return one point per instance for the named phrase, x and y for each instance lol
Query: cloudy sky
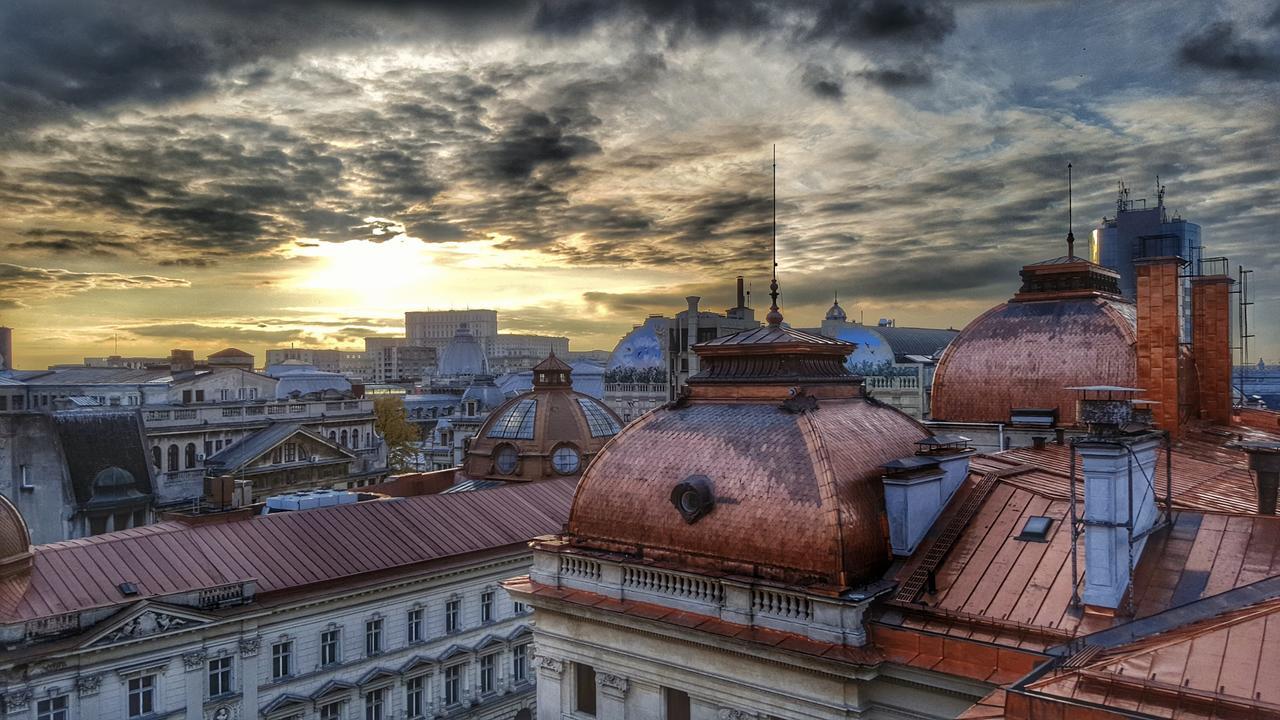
(176, 173)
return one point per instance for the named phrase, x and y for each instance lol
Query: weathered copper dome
(15, 540)
(1066, 327)
(769, 468)
(551, 431)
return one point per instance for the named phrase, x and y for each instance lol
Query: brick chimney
(1158, 336)
(1211, 345)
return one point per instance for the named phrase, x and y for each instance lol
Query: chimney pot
(1038, 442)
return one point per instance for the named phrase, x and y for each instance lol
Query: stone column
(249, 647)
(612, 696)
(550, 688)
(193, 665)
(87, 687)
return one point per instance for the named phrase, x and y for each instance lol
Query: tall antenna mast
(774, 317)
(1071, 237)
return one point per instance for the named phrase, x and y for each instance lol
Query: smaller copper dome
(551, 431)
(15, 539)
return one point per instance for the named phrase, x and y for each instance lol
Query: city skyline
(211, 174)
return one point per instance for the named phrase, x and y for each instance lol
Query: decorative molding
(228, 711)
(732, 714)
(87, 685)
(194, 660)
(17, 701)
(617, 683)
(249, 646)
(549, 664)
(148, 622)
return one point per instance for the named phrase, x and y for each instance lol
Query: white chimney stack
(1119, 508)
(692, 340)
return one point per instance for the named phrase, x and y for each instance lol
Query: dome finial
(774, 317)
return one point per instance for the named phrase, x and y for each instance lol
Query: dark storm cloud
(895, 78)
(61, 56)
(59, 241)
(823, 82)
(1220, 48)
(19, 282)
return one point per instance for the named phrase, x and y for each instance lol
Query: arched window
(191, 455)
(333, 436)
(155, 457)
(344, 438)
(506, 459)
(173, 458)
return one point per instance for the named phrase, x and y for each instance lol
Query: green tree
(392, 423)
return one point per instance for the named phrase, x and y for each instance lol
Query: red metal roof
(992, 586)
(1225, 667)
(280, 552)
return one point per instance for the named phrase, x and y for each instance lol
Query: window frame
(415, 622)
(453, 615)
(373, 639)
(415, 696)
(375, 704)
(145, 692)
(520, 663)
(336, 646)
(54, 713)
(223, 674)
(488, 673)
(282, 659)
(486, 606)
(452, 685)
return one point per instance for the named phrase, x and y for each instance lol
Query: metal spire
(774, 317)
(1071, 238)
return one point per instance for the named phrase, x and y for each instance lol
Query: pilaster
(193, 666)
(612, 695)
(550, 687)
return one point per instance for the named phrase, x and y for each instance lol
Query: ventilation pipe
(742, 295)
(1264, 461)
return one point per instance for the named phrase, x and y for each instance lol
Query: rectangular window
(374, 705)
(332, 711)
(451, 613)
(677, 702)
(208, 447)
(584, 686)
(373, 637)
(219, 676)
(224, 394)
(520, 663)
(518, 608)
(186, 397)
(415, 625)
(199, 396)
(415, 691)
(486, 607)
(329, 648)
(486, 673)
(142, 695)
(281, 660)
(452, 685)
(290, 452)
(54, 708)
(24, 472)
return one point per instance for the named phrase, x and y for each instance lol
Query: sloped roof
(261, 442)
(230, 353)
(94, 440)
(281, 551)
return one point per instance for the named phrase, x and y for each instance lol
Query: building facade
(302, 627)
(324, 360)
(436, 328)
(514, 352)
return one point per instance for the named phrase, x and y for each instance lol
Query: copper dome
(1065, 328)
(769, 468)
(15, 540)
(551, 431)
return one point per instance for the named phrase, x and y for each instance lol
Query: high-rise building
(435, 328)
(1138, 231)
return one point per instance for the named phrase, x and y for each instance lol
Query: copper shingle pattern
(283, 551)
(798, 492)
(1024, 355)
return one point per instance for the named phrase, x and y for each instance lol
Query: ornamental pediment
(145, 621)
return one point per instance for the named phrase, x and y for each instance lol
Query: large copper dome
(15, 540)
(1066, 327)
(551, 431)
(769, 468)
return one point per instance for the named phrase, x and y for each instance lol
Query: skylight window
(599, 421)
(517, 422)
(1036, 529)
